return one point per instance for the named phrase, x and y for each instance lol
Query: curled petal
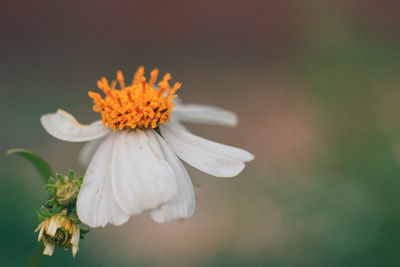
(64, 126)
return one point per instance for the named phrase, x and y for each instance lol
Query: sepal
(50, 188)
(71, 175)
(51, 202)
(60, 178)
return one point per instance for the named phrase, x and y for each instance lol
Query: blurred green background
(315, 85)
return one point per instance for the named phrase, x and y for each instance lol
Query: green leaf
(41, 166)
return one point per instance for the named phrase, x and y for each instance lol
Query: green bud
(67, 192)
(64, 190)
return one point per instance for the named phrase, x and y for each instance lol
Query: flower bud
(65, 189)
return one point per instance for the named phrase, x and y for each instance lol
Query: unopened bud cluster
(59, 224)
(63, 190)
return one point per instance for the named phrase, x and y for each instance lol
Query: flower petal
(48, 249)
(96, 205)
(184, 203)
(141, 177)
(204, 114)
(64, 126)
(208, 156)
(88, 150)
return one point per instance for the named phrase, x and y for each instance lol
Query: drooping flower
(59, 231)
(133, 152)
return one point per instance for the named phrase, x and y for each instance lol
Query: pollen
(141, 104)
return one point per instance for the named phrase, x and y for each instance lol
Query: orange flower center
(137, 105)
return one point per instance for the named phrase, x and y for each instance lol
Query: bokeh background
(315, 85)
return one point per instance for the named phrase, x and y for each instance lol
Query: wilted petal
(64, 126)
(74, 250)
(208, 156)
(52, 229)
(75, 235)
(41, 227)
(184, 203)
(48, 249)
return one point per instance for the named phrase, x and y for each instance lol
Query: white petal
(141, 177)
(75, 235)
(64, 126)
(87, 152)
(96, 205)
(52, 229)
(184, 203)
(210, 157)
(74, 250)
(204, 114)
(48, 249)
(41, 231)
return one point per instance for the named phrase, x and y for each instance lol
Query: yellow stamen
(137, 105)
(68, 225)
(144, 83)
(120, 78)
(153, 77)
(138, 75)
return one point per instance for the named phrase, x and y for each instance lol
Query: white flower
(133, 153)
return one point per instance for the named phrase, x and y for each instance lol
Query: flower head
(133, 153)
(137, 105)
(59, 231)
